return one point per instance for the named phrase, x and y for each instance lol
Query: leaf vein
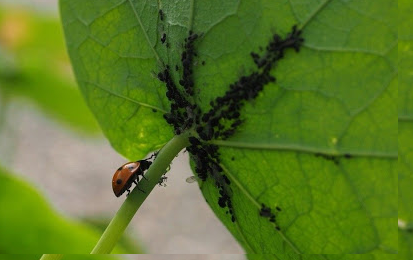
(144, 31)
(124, 97)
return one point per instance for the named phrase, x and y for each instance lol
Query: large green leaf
(405, 130)
(38, 68)
(336, 97)
(30, 226)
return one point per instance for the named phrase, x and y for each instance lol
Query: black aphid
(266, 212)
(329, 157)
(163, 38)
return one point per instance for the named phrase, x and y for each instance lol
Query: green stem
(132, 203)
(51, 257)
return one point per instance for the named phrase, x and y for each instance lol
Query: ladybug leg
(136, 183)
(128, 193)
(153, 155)
(141, 171)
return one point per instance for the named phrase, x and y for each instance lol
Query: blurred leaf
(29, 225)
(37, 68)
(21, 256)
(8, 68)
(65, 257)
(405, 165)
(336, 97)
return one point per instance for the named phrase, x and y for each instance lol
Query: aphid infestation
(280, 132)
(224, 116)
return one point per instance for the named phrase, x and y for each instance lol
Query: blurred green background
(34, 66)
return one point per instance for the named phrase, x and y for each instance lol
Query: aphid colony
(222, 120)
(266, 212)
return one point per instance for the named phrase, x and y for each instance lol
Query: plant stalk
(135, 199)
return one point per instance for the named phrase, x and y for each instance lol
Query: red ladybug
(127, 174)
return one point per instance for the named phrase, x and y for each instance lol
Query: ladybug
(127, 174)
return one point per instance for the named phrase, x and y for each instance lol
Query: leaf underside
(336, 97)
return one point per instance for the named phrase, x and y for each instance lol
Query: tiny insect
(127, 174)
(162, 181)
(163, 38)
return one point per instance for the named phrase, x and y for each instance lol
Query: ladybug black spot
(118, 181)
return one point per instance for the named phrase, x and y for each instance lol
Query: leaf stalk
(132, 203)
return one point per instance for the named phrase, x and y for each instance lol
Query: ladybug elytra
(127, 174)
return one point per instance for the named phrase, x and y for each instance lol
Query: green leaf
(29, 225)
(337, 96)
(38, 68)
(405, 102)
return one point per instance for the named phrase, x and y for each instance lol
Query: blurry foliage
(34, 65)
(30, 225)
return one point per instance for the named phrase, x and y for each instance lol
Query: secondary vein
(126, 98)
(144, 32)
(299, 148)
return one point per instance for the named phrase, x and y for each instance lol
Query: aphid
(265, 211)
(162, 181)
(227, 181)
(127, 174)
(329, 157)
(161, 14)
(194, 141)
(348, 156)
(163, 38)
